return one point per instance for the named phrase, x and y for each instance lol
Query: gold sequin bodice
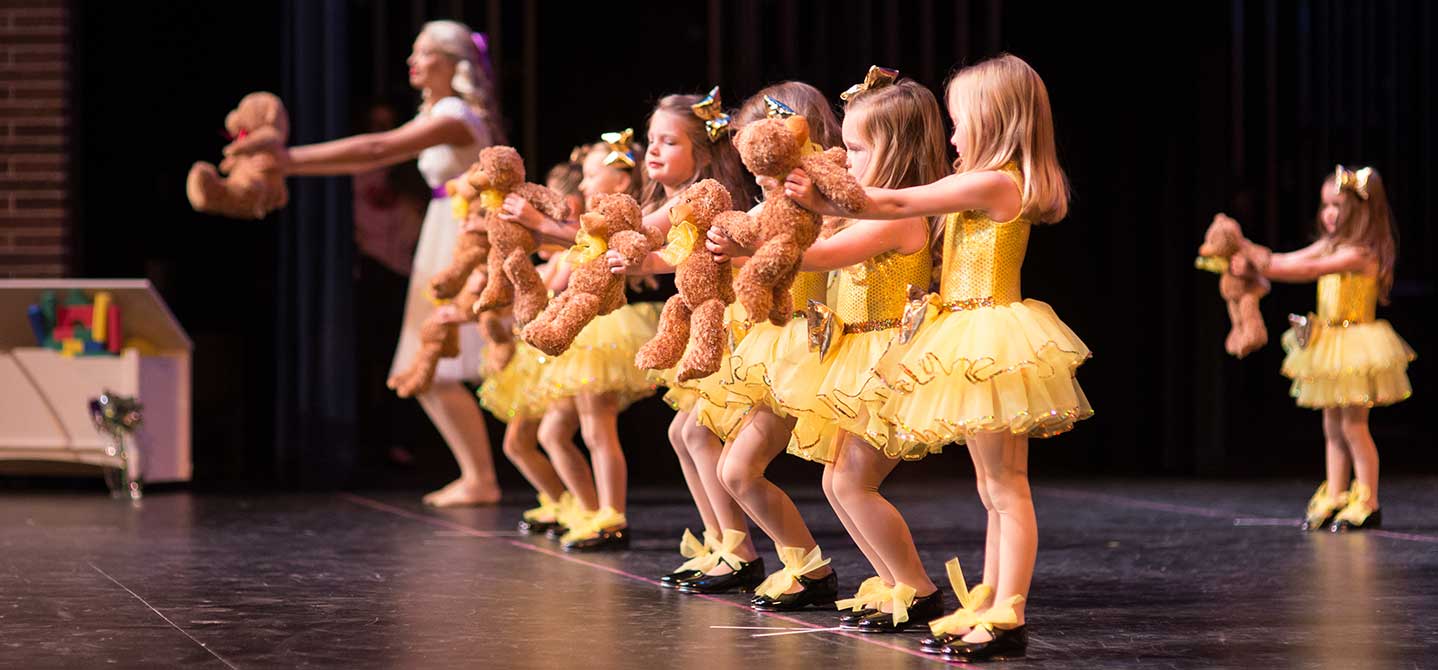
(872, 294)
(1347, 297)
(809, 286)
(983, 257)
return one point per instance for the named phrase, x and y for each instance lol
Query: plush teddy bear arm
(548, 201)
(262, 139)
(632, 245)
(740, 227)
(835, 182)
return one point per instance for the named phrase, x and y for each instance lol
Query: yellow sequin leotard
(1351, 359)
(867, 301)
(984, 359)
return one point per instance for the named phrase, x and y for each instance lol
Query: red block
(112, 327)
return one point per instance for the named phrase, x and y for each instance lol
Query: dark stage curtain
(314, 399)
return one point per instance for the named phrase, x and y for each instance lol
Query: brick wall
(35, 118)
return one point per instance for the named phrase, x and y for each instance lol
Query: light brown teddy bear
(693, 320)
(439, 338)
(471, 248)
(781, 232)
(254, 184)
(512, 277)
(613, 222)
(1239, 264)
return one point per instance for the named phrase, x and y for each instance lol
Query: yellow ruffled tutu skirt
(1007, 368)
(847, 397)
(772, 367)
(601, 359)
(1359, 365)
(516, 393)
(706, 399)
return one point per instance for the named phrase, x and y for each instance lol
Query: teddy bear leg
(1255, 333)
(498, 292)
(529, 292)
(539, 333)
(667, 346)
(203, 187)
(1233, 342)
(706, 342)
(782, 308)
(417, 377)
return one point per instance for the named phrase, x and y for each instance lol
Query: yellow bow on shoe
(547, 511)
(1001, 615)
(700, 554)
(1356, 511)
(872, 592)
(717, 551)
(900, 598)
(796, 563)
(967, 617)
(606, 517)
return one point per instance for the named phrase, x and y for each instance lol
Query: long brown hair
(1002, 109)
(1367, 224)
(717, 160)
(808, 101)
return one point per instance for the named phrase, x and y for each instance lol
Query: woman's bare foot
(460, 493)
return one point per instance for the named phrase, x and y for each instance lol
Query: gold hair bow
(619, 148)
(711, 109)
(1356, 181)
(877, 77)
(777, 110)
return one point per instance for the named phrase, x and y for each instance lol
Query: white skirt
(434, 253)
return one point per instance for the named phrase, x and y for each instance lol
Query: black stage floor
(1131, 573)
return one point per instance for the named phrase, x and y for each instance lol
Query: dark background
(1165, 115)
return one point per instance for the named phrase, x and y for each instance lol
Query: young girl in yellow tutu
(1343, 360)
(690, 140)
(894, 135)
(751, 420)
(513, 395)
(976, 364)
(597, 372)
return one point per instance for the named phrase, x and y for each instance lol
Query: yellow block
(99, 312)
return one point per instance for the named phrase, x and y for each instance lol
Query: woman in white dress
(459, 117)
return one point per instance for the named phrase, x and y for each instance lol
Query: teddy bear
(1239, 264)
(779, 234)
(254, 181)
(613, 222)
(471, 247)
(439, 338)
(512, 277)
(692, 323)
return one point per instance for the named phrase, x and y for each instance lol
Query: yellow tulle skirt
(1360, 365)
(706, 399)
(1007, 368)
(848, 395)
(516, 393)
(601, 359)
(773, 368)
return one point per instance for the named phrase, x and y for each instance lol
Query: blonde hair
(1367, 224)
(717, 160)
(905, 129)
(471, 82)
(802, 98)
(1001, 110)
